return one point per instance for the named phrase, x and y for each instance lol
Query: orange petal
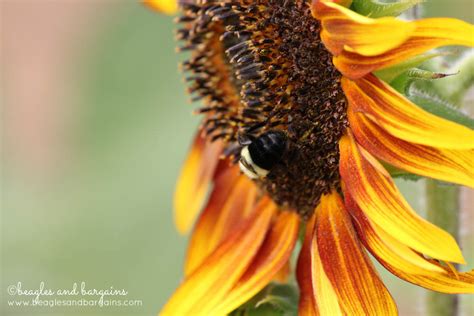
(429, 34)
(230, 204)
(207, 286)
(346, 30)
(443, 164)
(271, 257)
(194, 181)
(164, 6)
(283, 274)
(350, 271)
(376, 194)
(304, 274)
(406, 263)
(403, 119)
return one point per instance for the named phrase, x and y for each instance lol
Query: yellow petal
(164, 6)
(406, 263)
(206, 287)
(194, 181)
(443, 164)
(345, 30)
(353, 277)
(444, 282)
(403, 119)
(230, 204)
(387, 247)
(428, 34)
(362, 45)
(377, 196)
(436, 32)
(271, 257)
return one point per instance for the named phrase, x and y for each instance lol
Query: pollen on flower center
(260, 66)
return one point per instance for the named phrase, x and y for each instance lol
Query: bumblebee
(260, 154)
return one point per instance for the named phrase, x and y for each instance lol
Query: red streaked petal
(194, 181)
(443, 164)
(403, 119)
(304, 273)
(346, 30)
(230, 203)
(350, 271)
(207, 286)
(164, 6)
(271, 257)
(376, 194)
(406, 263)
(317, 296)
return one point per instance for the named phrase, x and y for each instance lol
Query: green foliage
(424, 88)
(390, 73)
(403, 82)
(454, 88)
(275, 299)
(376, 9)
(401, 174)
(435, 87)
(435, 105)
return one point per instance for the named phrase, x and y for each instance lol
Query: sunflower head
(260, 67)
(291, 96)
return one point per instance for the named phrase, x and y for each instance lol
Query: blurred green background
(92, 148)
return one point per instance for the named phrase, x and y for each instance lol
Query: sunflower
(290, 96)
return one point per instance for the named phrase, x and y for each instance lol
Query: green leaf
(437, 106)
(399, 173)
(376, 9)
(275, 299)
(421, 74)
(278, 302)
(403, 82)
(390, 73)
(454, 88)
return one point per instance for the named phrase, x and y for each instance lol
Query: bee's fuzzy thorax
(258, 66)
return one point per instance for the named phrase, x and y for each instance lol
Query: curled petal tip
(346, 30)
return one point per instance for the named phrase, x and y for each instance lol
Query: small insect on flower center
(270, 92)
(259, 157)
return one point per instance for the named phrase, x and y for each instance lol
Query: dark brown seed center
(261, 66)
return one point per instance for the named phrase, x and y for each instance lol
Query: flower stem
(443, 211)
